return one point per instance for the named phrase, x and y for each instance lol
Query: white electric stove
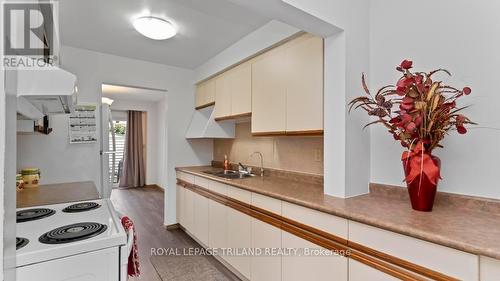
(82, 241)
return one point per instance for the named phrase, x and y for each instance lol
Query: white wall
(153, 127)
(347, 147)
(260, 39)
(461, 36)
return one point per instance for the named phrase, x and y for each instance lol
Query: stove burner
(33, 214)
(81, 207)
(72, 233)
(21, 242)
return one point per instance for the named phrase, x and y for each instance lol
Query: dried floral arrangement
(427, 109)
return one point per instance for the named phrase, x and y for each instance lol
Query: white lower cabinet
(489, 269)
(200, 218)
(265, 266)
(188, 210)
(308, 266)
(217, 226)
(362, 272)
(179, 193)
(239, 229)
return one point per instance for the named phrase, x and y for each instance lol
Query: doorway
(117, 136)
(133, 136)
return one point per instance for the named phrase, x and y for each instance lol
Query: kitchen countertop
(470, 225)
(56, 193)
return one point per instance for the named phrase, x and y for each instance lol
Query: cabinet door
(200, 218)
(265, 266)
(188, 210)
(269, 92)
(489, 269)
(239, 228)
(222, 96)
(361, 272)
(180, 204)
(217, 225)
(209, 91)
(205, 92)
(304, 94)
(240, 81)
(309, 266)
(199, 95)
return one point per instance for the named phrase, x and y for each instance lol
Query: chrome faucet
(261, 162)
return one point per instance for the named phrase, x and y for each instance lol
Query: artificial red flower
(411, 127)
(395, 120)
(403, 84)
(461, 130)
(418, 120)
(421, 116)
(408, 100)
(406, 64)
(406, 106)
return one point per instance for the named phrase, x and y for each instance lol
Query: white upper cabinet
(304, 81)
(234, 92)
(269, 93)
(287, 88)
(222, 96)
(205, 93)
(240, 81)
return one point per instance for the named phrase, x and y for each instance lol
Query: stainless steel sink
(229, 174)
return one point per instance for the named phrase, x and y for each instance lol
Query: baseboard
(154, 186)
(173, 226)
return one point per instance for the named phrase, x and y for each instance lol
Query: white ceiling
(205, 27)
(117, 92)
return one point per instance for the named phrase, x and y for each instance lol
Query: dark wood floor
(145, 207)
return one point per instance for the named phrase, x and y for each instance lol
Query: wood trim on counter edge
(204, 105)
(236, 116)
(386, 263)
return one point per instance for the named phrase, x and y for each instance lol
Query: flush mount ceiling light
(154, 28)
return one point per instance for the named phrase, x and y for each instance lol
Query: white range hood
(204, 126)
(50, 91)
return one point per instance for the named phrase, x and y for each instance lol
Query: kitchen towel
(133, 258)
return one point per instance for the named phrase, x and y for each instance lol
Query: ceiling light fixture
(154, 28)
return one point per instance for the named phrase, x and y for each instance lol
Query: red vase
(422, 193)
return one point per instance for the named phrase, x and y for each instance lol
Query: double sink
(229, 174)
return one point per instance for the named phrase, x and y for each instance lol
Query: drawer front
(203, 182)
(267, 203)
(239, 194)
(322, 221)
(218, 187)
(185, 177)
(442, 259)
